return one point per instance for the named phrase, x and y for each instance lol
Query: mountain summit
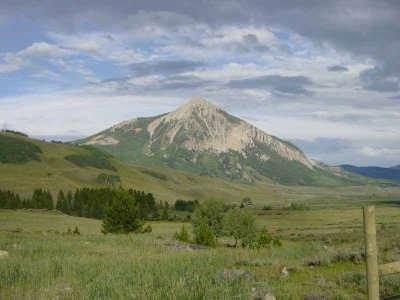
(200, 137)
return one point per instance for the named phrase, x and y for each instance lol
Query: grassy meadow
(321, 253)
(321, 249)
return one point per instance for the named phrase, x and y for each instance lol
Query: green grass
(44, 263)
(83, 160)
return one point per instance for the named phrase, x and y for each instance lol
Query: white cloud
(101, 46)
(45, 49)
(47, 74)
(10, 62)
(231, 34)
(375, 151)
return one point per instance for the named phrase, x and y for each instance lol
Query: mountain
(201, 138)
(392, 173)
(26, 164)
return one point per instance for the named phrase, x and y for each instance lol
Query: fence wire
(392, 297)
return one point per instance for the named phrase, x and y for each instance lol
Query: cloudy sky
(323, 74)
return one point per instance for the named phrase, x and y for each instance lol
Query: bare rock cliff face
(200, 125)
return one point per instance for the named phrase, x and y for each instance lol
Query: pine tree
(60, 201)
(124, 214)
(68, 203)
(48, 200)
(165, 215)
(78, 203)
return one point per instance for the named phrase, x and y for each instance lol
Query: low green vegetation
(155, 174)
(108, 179)
(17, 151)
(186, 205)
(297, 207)
(96, 151)
(83, 160)
(241, 225)
(182, 235)
(15, 132)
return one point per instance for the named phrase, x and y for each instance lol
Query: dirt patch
(181, 246)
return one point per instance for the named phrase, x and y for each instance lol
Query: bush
(297, 207)
(123, 216)
(241, 225)
(76, 230)
(182, 205)
(267, 207)
(108, 179)
(263, 240)
(210, 212)
(146, 229)
(182, 235)
(204, 235)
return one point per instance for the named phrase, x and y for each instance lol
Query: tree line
(94, 202)
(40, 199)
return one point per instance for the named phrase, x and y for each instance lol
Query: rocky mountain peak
(199, 132)
(194, 107)
(199, 102)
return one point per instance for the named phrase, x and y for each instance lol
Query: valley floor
(321, 250)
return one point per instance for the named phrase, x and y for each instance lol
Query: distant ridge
(375, 172)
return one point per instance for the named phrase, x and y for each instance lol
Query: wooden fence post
(371, 253)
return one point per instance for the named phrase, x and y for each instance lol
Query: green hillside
(66, 167)
(53, 169)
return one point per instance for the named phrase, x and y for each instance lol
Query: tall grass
(44, 263)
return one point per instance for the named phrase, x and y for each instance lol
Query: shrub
(204, 235)
(241, 225)
(76, 230)
(182, 205)
(297, 207)
(210, 212)
(108, 179)
(146, 229)
(263, 240)
(267, 207)
(182, 235)
(123, 216)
